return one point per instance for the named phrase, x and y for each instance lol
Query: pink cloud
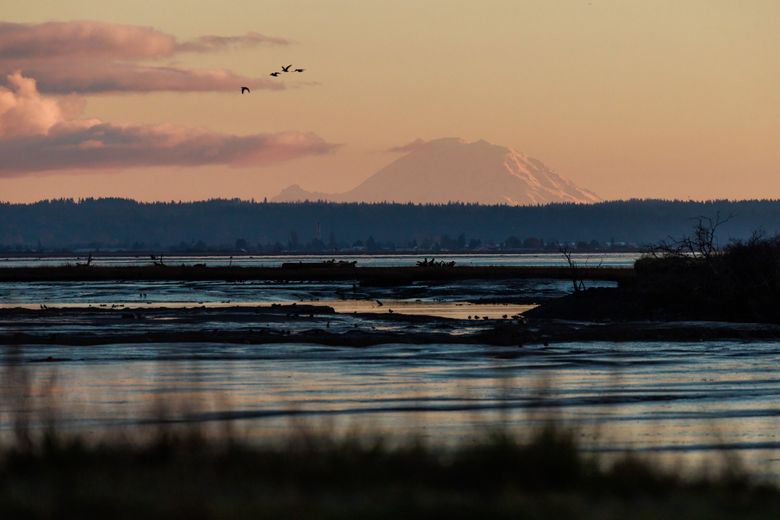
(82, 39)
(23, 111)
(211, 43)
(127, 77)
(97, 57)
(38, 136)
(106, 146)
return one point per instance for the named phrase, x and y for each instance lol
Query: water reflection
(678, 398)
(452, 310)
(13, 294)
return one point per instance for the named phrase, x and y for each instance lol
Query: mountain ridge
(454, 170)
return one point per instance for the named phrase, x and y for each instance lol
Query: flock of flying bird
(275, 74)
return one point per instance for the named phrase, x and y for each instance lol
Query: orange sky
(629, 99)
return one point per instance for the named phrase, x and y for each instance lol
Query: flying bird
(274, 74)
(245, 89)
(287, 68)
(299, 70)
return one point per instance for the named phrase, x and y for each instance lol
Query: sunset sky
(672, 99)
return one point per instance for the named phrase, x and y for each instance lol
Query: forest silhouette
(125, 224)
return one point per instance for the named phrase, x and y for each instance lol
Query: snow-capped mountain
(451, 169)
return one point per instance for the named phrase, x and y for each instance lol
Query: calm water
(535, 259)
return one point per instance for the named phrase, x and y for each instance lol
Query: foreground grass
(185, 476)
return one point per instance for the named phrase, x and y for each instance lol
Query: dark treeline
(121, 224)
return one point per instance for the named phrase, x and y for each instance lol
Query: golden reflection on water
(453, 310)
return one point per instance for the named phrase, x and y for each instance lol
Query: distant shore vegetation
(693, 277)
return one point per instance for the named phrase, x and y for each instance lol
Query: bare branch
(576, 280)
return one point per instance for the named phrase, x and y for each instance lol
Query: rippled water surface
(683, 398)
(141, 293)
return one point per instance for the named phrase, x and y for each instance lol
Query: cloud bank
(41, 134)
(100, 57)
(132, 78)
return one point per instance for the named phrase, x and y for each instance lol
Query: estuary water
(679, 401)
(685, 401)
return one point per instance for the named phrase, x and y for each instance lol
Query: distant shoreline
(419, 254)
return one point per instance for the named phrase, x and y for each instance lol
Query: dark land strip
(317, 324)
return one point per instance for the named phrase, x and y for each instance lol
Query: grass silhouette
(182, 474)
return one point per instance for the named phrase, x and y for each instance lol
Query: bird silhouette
(378, 302)
(245, 89)
(274, 74)
(287, 68)
(299, 70)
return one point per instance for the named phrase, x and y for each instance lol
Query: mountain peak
(452, 169)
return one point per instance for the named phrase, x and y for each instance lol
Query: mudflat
(376, 275)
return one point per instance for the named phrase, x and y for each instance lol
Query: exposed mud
(320, 324)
